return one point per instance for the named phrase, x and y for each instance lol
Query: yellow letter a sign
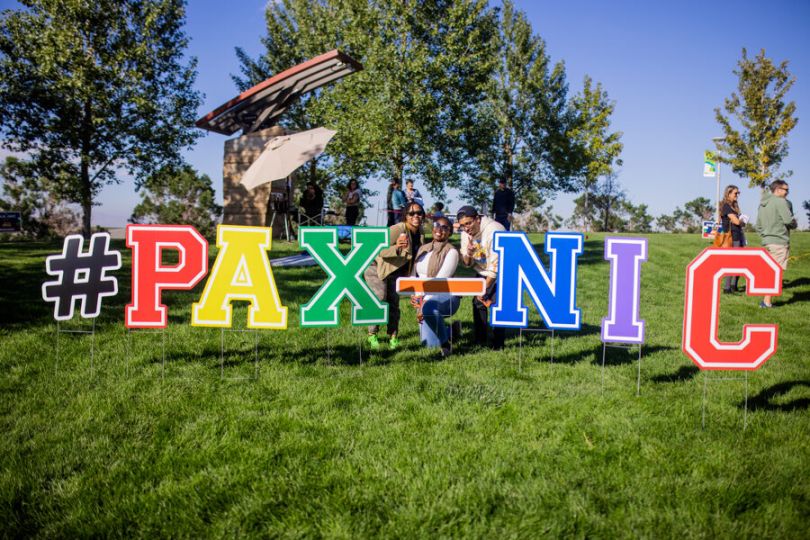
(241, 272)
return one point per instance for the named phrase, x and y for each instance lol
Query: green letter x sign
(345, 276)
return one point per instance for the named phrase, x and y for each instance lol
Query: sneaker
(394, 343)
(373, 342)
(447, 349)
(762, 304)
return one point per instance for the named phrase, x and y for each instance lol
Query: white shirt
(447, 270)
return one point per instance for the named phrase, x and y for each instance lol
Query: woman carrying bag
(733, 222)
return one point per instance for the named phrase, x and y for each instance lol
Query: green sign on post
(709, 164)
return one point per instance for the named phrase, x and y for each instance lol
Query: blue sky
(666, 64)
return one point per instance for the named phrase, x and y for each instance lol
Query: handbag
(722, 240)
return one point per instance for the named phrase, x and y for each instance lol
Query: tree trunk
(84, 171)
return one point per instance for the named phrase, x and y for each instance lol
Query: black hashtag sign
(81, 276)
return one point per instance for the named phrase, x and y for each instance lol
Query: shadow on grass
(803, 296)
(764, 400)
(797, 283)
(684, 373)
(619, 356)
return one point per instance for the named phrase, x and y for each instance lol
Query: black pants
(391, 217)
(351, 215)
(484, 334)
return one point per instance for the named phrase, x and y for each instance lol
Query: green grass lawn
(161, 436)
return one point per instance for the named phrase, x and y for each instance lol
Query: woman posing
(437, 259)
(394, 262)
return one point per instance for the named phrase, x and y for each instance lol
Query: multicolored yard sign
(242, 273)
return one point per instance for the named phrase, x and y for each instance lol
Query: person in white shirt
(436, 259)
(476, 252)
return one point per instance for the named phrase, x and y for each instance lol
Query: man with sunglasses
(477, 233)
(394, 262)
(774, 221)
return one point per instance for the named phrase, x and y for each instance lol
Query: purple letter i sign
(622, 324)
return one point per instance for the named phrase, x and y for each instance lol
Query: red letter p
(150, 276)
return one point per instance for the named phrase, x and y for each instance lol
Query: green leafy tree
(91, 87)
(605, 208)
(756, 149)
(638, 218)
(667, 223)
(520, 129)
(404, 116)
(179, 195)
(806, 206)
(596, 148)
(41, 213)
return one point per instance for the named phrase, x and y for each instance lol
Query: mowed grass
(162, 434)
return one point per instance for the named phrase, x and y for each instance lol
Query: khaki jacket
(391, 259)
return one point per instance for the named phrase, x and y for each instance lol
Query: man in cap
(477, 234)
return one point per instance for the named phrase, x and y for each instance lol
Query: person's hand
(471, 247)
(484, 301)
(416, 302)
(419, 317)
(402, 241)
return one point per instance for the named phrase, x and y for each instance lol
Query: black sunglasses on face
(443, 227)
(420, 214)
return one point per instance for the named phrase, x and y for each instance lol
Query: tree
(638, 219)
(179, 195)
(756, 150)
(806, 206)
(405, 115)
(667, 223)
(41, 213)
(596, 150)
(90, 87)
(696, 212)
(605, 207)
(520, 128)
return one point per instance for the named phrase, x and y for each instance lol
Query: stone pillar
(243, 206)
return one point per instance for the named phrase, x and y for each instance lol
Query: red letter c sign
(701, 316)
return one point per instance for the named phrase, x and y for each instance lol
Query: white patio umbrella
(283, 154)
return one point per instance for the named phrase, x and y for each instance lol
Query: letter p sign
(150, 276)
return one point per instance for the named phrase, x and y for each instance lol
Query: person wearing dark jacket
(311, 202)
(503, 204)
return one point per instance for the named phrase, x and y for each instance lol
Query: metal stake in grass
(625, 346)
(520, 343)
(255, 335)
(128, 354)
(706, 379)
(91, 332)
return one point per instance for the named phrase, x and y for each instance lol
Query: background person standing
(774, 221)
(732, 221)
(503, 204)
(352, 201)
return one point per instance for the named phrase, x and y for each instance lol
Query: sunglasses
(420, 214)
(443, 227)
